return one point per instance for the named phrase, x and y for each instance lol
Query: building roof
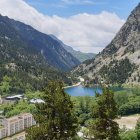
(15, 96)
(36, 101)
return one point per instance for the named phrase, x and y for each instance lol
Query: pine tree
(104, 113)
(55, 117)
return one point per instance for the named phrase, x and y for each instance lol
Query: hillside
(51, 49)
(79, 55)
(23, 62)
(119, 62)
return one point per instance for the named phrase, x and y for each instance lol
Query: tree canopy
(55, 117)
(104, 113)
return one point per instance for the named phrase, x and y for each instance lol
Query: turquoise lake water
(82, 91)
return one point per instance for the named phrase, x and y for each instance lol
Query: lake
(82, 91)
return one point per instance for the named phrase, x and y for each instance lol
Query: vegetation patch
(117, 71)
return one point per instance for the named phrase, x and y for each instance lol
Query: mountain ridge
(78, 54)
(22, 63)
(50, 48)
(123, 51)
(53, 51)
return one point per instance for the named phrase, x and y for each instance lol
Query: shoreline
(78, 84)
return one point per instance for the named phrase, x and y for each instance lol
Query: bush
(128, 135)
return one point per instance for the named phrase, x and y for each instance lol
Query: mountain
(51, 49)
(119, 62)
(79, 55)
(29, 58)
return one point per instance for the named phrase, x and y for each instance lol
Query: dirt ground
(129, 122)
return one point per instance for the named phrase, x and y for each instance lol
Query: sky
(66, 8)
(85, 25)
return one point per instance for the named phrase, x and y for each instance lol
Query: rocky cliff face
(123, 52)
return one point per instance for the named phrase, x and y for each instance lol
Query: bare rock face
(123, 52)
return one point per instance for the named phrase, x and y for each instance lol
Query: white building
(15, 97)
(34, 101)
(16, 124)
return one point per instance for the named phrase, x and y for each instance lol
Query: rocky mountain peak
(124, 49)
(127, 37)
(136, 11)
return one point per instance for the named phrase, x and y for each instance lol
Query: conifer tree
(104, 113)
(55, 117)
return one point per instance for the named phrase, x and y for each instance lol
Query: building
(3, 132)
(16, 124)
(19, 136)
(34, 101)
(15, 97)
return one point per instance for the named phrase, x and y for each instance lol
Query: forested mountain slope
(51, 49)
(22, 60)
(78, 54)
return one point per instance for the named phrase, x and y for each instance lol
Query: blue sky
(66, 8)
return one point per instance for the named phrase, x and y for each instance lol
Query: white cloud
(84, 32)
